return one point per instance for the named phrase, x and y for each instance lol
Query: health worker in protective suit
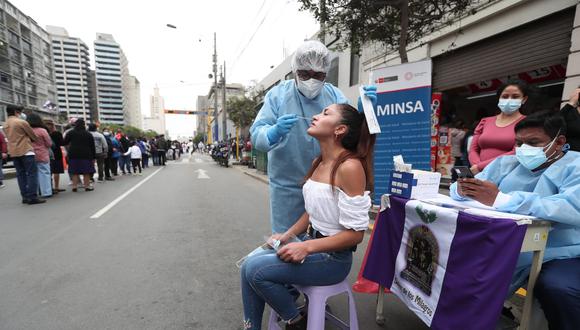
(543, 180)
(280, 129)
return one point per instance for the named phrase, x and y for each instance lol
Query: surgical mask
(23, 116)
(309, 88)
(509, 106)
(534, 157)
(106, 133)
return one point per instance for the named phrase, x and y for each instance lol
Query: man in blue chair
(542, 180)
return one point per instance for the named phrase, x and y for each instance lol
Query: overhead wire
(264, 18)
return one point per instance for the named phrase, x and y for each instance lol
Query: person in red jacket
(3, 156)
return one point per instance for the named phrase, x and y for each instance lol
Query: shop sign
(549, 73)
(404, 114)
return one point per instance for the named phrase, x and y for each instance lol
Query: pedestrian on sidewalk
(101, 149)
(135, 154)
(144, 146)
(81, 155)
(20, 137)
(3, 156)
(56, 162)
(162, 146)
(115, 152)
(124, 161)
(108, 170)
(280, 131)
(154, 153)
(335, 220)
(42, 154)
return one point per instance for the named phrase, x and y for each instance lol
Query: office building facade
(71, 67)
(26, 68)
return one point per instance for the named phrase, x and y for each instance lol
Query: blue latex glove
(371, 93)
(282, 127)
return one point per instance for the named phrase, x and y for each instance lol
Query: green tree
(242, 110)
(198, 137)
(393, 23)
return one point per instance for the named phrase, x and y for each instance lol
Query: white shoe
(2, 185)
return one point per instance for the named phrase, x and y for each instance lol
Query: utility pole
(224, 109)
(215, 88)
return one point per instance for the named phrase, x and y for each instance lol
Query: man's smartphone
(463, 172)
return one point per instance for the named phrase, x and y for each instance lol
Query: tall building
(26, 71)
(110, 64)
(156, 122)
(132, 91)
(71, 65)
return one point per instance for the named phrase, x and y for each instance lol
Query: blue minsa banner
(404, 114)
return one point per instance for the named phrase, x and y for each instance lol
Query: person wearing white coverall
(542, 180)
(279, 130)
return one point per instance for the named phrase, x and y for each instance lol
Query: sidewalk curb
(257, 177)
(9, 173)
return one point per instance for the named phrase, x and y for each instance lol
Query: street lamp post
(215, 87)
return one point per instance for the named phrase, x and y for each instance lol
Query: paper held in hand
(370, 115)
(269, 245)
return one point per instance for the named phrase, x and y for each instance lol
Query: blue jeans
(44, 179)
(265, 277)
(125, 163)
(26, 173)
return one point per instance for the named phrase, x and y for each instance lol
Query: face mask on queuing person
(280, 129)
(494, 136)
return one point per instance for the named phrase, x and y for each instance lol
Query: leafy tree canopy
(392, 23)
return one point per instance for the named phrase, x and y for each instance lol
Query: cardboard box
(415, 184)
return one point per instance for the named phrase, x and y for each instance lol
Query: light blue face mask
(534, 157)
(509, 106)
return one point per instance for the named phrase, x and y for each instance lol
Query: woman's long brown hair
(357, 141)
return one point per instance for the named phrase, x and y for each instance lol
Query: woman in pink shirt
(495, 136)
(41, 154)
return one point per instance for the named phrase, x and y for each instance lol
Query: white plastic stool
(317, 314)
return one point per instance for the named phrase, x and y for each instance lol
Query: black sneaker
(36, 201)
(300, 325)
(109, 179)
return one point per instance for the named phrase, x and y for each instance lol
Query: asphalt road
(163, 257)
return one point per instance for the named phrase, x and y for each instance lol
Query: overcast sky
(251, 35)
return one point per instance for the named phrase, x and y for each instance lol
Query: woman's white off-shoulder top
(334, 211)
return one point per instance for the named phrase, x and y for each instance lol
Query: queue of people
(41, 154)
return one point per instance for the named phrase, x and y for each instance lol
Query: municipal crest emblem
(422, 258)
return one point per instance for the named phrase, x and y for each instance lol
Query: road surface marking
(120, 198)
(201, 174)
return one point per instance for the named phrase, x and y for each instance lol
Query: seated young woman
(336, 217)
